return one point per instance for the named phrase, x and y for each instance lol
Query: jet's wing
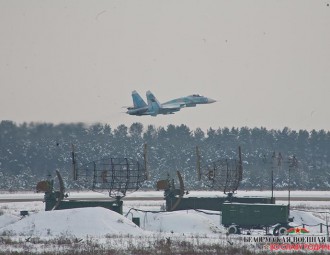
(191, 101)
(172, 106)
(169, 108)
(175, 103)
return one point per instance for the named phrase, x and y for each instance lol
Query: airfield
(98, 227)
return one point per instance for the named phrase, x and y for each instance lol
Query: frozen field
(80, 228)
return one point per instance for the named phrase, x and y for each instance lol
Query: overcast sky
(267, 62)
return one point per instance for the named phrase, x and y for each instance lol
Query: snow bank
(80, 222)
(307, 218)
(188, 222)
(98, 222)
(7, 219)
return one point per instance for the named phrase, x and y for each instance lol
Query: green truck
(236, 216)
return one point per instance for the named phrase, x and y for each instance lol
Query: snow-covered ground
(109, 228)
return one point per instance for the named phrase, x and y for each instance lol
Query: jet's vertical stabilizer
(151, 98)
(138, 100)
(153, 103)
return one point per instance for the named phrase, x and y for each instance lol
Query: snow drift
(7, 219)
(80, 222)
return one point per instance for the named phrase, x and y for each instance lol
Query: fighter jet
(154, 107)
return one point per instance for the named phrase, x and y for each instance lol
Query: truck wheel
(233, 229)
(280, 230)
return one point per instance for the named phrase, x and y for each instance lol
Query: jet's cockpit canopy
(195, 95)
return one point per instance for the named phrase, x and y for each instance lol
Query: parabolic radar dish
(223, 174)
(115, 176)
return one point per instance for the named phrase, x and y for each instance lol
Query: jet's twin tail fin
(153, 103)
(138, 100)
(152, 99)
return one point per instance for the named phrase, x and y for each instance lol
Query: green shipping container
(254, 215)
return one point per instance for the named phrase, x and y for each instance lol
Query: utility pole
(145, 158)
(240, 173)
(293, 163)
(198, 163)
(272, 177)
(74, 169)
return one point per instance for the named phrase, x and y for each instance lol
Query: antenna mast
(74, 169)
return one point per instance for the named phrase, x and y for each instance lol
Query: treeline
(30, 152)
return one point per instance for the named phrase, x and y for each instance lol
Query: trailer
(211, 203)
(175, 200)
(52, 203)
(237, 216)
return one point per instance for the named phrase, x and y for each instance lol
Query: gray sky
(267, 62)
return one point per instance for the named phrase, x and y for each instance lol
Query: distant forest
(31, 152)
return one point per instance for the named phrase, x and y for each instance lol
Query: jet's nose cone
(210, 100)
